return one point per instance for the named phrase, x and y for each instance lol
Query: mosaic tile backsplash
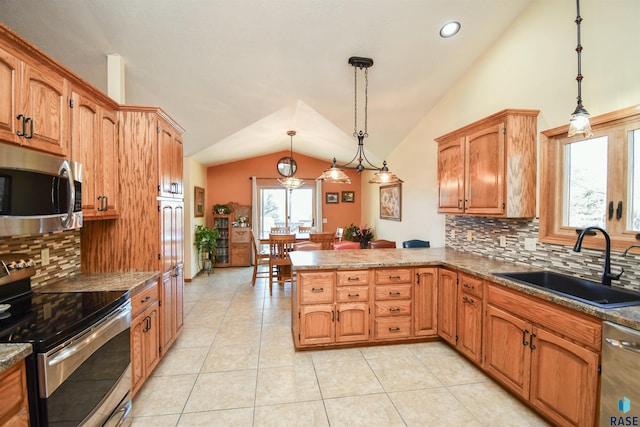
(64, 254)
(486, 234)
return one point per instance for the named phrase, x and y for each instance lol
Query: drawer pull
(146, 299)
(353, 279)
(394, 277)
(395, 293)
(394, 309)
(524, 338)
(469, 300)
(317, 289)
(396, 329)
(353, 295)
(466, 285)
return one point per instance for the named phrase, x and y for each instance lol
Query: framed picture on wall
(348, 197)
(198, 200)
(391, 202)
(331, 198)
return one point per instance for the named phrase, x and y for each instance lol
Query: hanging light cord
(579, 51)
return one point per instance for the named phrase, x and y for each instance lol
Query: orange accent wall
(230, 182)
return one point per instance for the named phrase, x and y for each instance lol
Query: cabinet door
(85, 148)
(166, 242)
(108, 166)
(451, 176)
(425, 300)
(177, 234)
(507, 355)
(564, 380)
(137, 353)
(177, 166)
(447, 302)
(167, 312)
(352, 322)
(169, 161)
(179, 298)
(44, 101)
(484, 171)
(317, 324)
(470, 326)
(9, 72)
(151, 332)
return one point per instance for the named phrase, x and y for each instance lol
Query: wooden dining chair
(280, 230)
(303, 229)
(415, 243)
(307, 246)
(279, 262)
(261, 257)
(379, 244)
(326, 239)
(345, 244)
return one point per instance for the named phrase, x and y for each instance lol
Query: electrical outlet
(503, 241)
(469, 236)
(44, 256)
(324, 220)
(452, 234)
(530, 243)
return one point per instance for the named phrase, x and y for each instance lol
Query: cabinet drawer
(240, 235)
(393, 308)
(144, 298)
(393, 275)
(316, 287)
(355, 277)
(471, 285)
(352, 294)
(392, 327)
(13, 391)
(393, 292)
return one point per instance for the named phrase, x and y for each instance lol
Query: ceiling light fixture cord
(579, 50)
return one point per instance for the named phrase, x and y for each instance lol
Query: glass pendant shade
(291, 182)
(335, 175)
(384, 176)
(579, 123)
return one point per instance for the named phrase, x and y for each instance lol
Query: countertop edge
(10, 354)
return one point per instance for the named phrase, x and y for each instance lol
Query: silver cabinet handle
(624, 345)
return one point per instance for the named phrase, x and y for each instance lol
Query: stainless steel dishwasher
(620, 379)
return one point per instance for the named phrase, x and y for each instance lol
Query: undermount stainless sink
(579, 289)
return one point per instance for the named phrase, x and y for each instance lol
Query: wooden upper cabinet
(9, 72)
(169, 161)
(489, 167)
(94, 143)
(33, 105)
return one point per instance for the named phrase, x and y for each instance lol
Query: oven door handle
(58, 364)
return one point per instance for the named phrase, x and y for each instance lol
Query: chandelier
(287, 167)
(335, 173)
(579, 122)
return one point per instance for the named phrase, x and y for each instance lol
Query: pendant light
(335, 173)
(579, 122)
(290, 182)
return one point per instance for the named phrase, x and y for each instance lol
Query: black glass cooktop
(48, 319)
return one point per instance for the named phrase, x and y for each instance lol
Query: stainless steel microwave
(39, 193)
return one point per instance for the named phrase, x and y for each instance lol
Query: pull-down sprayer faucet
(606, 272)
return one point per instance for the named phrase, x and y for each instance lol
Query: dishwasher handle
(624, 345)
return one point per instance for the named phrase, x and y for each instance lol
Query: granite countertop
(476, 265)
(10, 354)
(128, 281)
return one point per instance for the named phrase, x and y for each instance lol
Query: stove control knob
(12, 265)
(21, 264)
(30, 263)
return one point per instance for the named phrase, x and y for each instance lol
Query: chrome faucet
(606, 272)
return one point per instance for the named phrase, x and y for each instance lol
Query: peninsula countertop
(476, 265)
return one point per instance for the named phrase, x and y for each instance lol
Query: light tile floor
(234, 365)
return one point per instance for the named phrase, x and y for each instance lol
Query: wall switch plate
(44, 256)
(324, 220)
(503, 241)
(530, 243)
(469, 236)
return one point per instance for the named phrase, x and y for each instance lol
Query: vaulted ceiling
(237, 74)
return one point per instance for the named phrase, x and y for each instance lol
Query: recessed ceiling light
(449, 29)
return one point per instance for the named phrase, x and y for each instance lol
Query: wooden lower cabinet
(425, 299)
(469, 317)
(240, 246)
(447, 303)
(14, 410)
(145, 334)
(528, 352)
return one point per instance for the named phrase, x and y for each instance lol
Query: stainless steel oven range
(80, 369)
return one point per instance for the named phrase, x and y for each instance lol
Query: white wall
(533, 65)
(194, 175)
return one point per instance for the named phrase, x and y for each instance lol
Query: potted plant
(355, 233)
(205, 242)
(219, 208)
